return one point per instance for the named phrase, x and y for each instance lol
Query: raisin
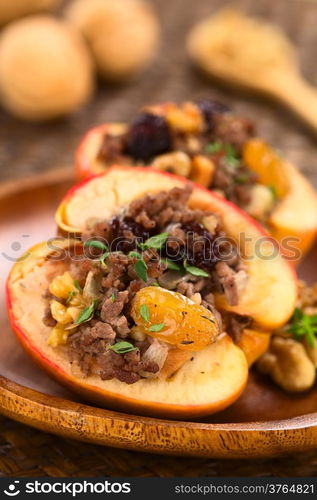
(149, 135)
(202, 249)
(126, 232)
(210, 109)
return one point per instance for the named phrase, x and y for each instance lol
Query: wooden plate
(264, 422)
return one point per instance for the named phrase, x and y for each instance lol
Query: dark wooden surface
(25, 452)
(27, 149)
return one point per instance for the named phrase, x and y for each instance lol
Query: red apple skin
(112, 400)
(83, 164)
(85, 156)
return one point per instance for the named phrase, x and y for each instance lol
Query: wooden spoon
(252, 54)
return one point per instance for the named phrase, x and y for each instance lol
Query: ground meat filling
(221, 139)
(113, 149)
(189, 260)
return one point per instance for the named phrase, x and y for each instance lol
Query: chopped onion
(157, 352)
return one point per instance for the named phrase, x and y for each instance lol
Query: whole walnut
(45, 68)
(288, 364)
(13, 9)
(122, 34)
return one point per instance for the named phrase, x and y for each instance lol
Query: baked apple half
(248, 291)
(105, 342)
(146, 309)
(206, 142)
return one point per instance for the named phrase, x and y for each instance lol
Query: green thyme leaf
(195, 271)
(140, 268)
(214, 147)
(311, 338)
(113, 297)
(273, 192)
(230, 150)
(233, 162)
(145, 312)
(170, 264)
(156, 241)
(122, 347)
(87, 313)
(96, 244)
(104, 257)
(77, 285)
(136, 255)
(303, 326)
(231, 155)
(241, 179)
(156, 328)
(71, 295)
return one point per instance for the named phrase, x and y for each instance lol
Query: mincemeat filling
(156, 241)
(220, 139)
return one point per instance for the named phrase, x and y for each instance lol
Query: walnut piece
(288, 364)
(312, 353)
(177, 162)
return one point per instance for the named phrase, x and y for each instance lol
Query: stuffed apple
(145, 311)
(106, 344)
(206, 142)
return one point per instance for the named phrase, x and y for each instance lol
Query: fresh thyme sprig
(231, 155)
(303, 325)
